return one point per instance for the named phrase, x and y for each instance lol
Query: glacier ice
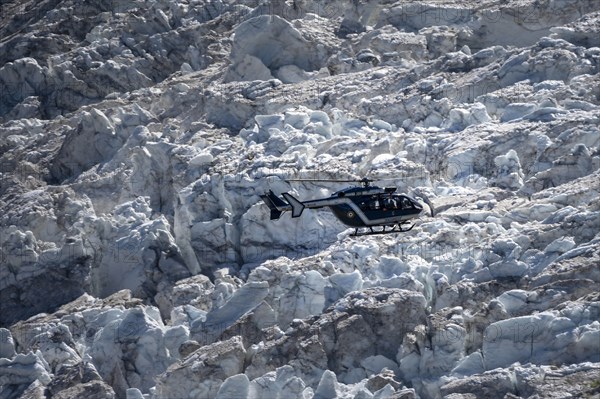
(137, 260)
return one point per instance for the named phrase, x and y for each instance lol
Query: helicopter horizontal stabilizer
(297, 206)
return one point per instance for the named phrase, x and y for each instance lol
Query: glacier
(137, 260)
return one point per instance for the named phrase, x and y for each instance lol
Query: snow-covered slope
(137, 260)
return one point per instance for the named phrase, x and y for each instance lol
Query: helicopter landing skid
(397, 228)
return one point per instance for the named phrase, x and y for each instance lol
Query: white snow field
(138, 261)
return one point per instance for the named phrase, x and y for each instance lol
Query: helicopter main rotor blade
(331, 180)
(363, 180)
(366, 182)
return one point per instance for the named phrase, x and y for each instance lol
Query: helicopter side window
(406, 204)
(374, 203)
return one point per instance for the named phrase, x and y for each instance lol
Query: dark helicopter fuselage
(354, 206)
(379, 208)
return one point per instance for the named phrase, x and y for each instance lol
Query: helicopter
(361, 207)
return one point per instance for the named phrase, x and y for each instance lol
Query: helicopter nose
(426, 211)
(418, 206)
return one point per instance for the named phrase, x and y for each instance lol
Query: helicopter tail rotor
(278, 205)
(274, 203)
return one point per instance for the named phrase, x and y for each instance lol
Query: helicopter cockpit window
(406, 204)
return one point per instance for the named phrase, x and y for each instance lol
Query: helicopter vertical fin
(297, 206)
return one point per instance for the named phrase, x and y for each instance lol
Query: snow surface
(138, 261)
